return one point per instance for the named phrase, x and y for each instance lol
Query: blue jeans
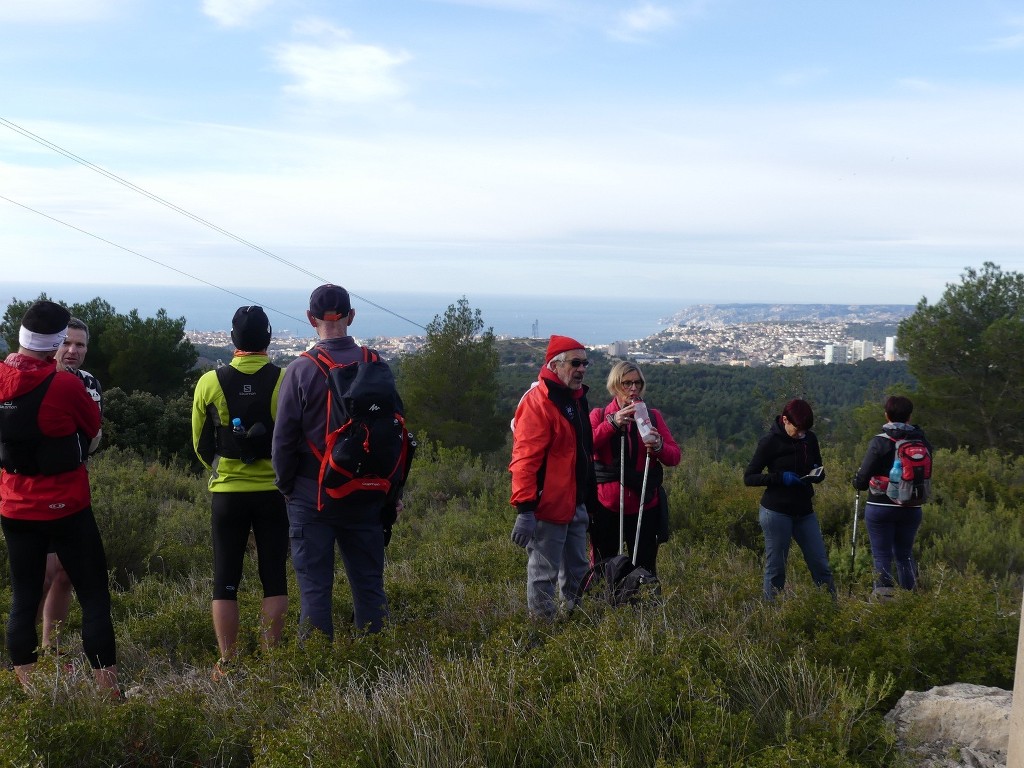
(556, 553)
(360, 538)
(891, 531)
(779, 531)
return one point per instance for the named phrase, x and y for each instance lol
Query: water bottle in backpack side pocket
(236, 427)
(895, 478)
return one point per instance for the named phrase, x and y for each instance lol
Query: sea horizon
(596, 320)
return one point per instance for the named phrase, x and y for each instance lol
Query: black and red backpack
(367, 448)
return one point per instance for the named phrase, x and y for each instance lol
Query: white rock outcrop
(954, 726)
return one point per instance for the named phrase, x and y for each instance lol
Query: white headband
(41, 342)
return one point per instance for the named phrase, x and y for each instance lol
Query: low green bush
(707, 675)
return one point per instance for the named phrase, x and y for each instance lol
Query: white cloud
(57, 11)
(520, 6)
(234, 13)
(643, 19)
(333, 68)
(647, 17)
(627, 20)
(1010, 42)
(858, 183)
(918, 84)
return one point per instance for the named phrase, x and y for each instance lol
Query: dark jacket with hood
(880, 456)
(778, 453)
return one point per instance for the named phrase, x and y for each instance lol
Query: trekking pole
(853, 549)
(622, 494)
(640, 515)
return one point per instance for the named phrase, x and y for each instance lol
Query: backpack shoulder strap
(321, 358)
(370, 355)
(223, 374)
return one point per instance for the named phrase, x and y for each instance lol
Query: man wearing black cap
(233, 415)
(299, 435)
(46, 424)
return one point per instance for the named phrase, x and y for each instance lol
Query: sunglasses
(576, 362)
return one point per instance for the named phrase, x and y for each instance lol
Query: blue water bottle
(895, 478)
(236, 427)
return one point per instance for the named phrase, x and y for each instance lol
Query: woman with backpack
(892, 523)
(621, 450)
(787, 461)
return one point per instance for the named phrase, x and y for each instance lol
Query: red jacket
(551, 445)
(606, 443)
(66, 409)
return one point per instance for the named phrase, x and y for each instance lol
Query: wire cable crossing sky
(726, 150)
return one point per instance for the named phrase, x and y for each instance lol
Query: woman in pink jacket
(615, 432)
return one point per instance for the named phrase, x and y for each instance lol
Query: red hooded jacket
(551, 467)
(66, 409)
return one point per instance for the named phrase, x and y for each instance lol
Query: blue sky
(720, 150)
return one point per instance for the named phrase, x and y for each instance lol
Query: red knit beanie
(559, 344)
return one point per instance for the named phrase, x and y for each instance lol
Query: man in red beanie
(553, 477)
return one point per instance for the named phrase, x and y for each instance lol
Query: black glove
(522, 531)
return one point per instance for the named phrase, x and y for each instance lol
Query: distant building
(862, 350)
(836, 354)
(795, 360)
(618, 349)
(890, 348)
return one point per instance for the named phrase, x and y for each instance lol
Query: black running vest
(248, 396)
(24, 449)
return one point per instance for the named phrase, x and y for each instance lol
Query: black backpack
(367, 450)
(618, 582)
(248, 397)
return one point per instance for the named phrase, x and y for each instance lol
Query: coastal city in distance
(720, 334)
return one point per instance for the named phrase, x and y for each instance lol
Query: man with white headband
(47, 420)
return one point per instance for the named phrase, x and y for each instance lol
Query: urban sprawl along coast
(752, 335)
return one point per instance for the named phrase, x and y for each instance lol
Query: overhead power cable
(147, 258)
(177, 209)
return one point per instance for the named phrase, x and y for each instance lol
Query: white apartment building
(862, 350)
(836, 354)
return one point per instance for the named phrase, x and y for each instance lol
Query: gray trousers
(556, 553)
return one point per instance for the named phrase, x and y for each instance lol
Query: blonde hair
(618, 372)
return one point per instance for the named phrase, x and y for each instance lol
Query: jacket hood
(778, 428)
(21, 373)
(552, 380)
(897, 430)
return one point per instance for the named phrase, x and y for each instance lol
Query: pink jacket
(606, 445)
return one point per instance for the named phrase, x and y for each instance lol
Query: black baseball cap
(329, 302)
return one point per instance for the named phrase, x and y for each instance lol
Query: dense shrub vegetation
(706, 676)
